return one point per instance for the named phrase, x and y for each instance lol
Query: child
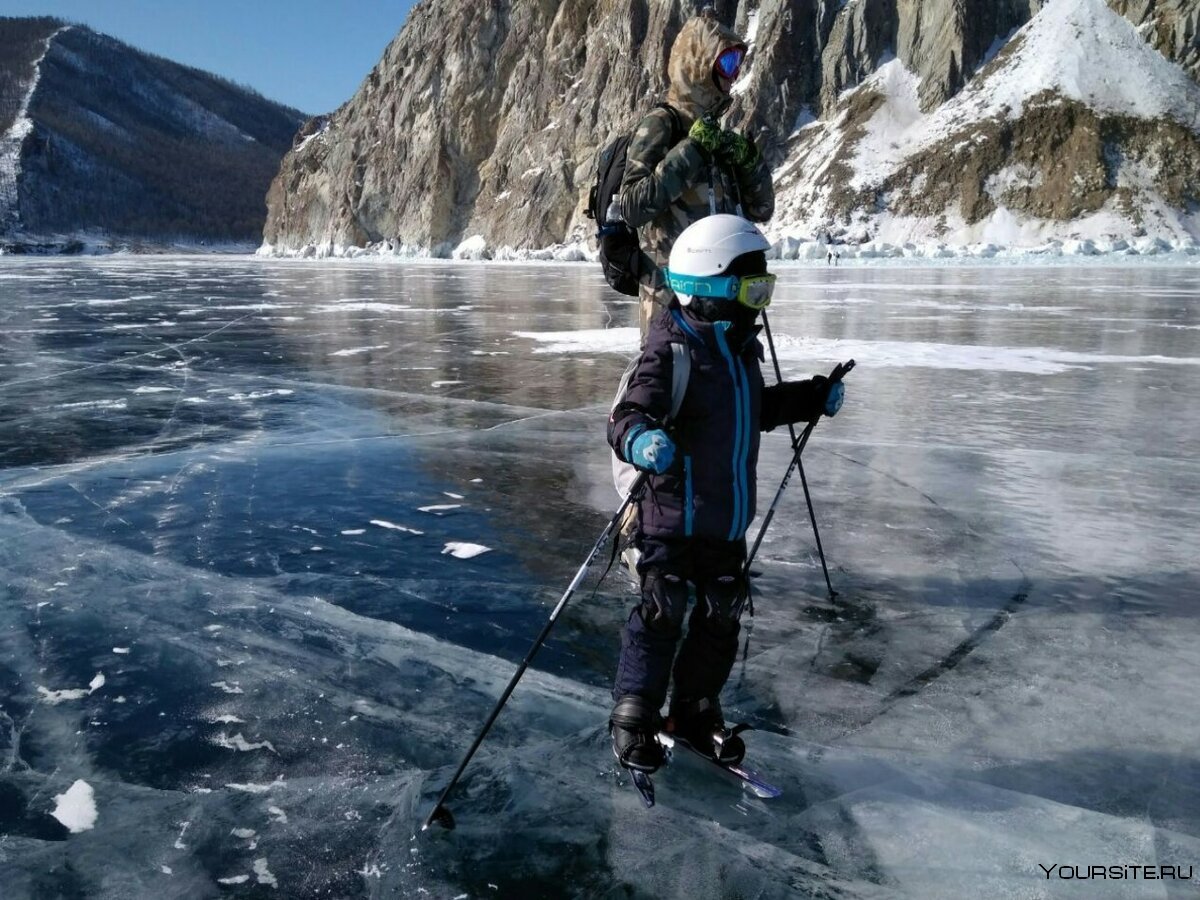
(700, 495)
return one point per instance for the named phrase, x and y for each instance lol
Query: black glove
(800, 401)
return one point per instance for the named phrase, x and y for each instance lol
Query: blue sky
(310, 54)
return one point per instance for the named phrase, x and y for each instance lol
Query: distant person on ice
(699, 499)
(681, 165)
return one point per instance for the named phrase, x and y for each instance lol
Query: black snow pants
(654, 627)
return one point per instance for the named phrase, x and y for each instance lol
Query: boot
(634, 725)
(702, 725)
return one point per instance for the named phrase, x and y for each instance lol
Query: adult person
(682, 165)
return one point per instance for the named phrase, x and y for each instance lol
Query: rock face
(1045, 141)
(1171, 26)
(482, 120)
(103, 141)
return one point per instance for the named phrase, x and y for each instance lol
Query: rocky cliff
(101, 141)
(967, 120)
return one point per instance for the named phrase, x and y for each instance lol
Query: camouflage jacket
(668, 177)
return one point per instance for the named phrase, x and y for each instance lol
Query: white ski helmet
(707, 247)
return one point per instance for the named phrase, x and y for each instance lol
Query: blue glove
(652, 451)
(834, 398)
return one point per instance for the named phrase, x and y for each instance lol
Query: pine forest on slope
(103, 142)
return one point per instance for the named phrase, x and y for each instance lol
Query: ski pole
(836, 375)
(441, 813)
(798, 445)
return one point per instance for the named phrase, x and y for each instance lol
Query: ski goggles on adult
(729, 63)
(752, 291)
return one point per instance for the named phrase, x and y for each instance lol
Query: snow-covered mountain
(1076, 129)
(1008, 122)
(100, 142)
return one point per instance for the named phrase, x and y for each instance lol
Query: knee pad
(723, 597)
(664, 602)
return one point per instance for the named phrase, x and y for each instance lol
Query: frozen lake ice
(274, 535)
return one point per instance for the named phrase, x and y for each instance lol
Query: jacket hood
(690, 68)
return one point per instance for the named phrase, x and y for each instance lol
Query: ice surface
(1008, 500)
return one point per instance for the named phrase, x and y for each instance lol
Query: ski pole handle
(841, 370)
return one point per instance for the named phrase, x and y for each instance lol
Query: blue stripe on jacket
(744, 465)
(739, 431)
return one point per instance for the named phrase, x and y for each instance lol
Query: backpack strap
(681, 370)
(677, 130)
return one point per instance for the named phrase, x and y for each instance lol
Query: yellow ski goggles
(752, 291)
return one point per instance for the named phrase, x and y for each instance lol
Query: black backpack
(621, 257)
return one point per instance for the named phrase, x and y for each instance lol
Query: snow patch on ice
(76, 807)
(392, 526)
(910, 354)
(464, 550)
(264, 874)
(357, 351)
(252, 788)
(262, 395)
(363, 306)
(95, 404)
(600, 340)
(892, 354)
(239, 743)
(55, 697)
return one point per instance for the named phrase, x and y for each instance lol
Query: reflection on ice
(247, 603)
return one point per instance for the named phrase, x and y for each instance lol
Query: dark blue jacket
(710, 489)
